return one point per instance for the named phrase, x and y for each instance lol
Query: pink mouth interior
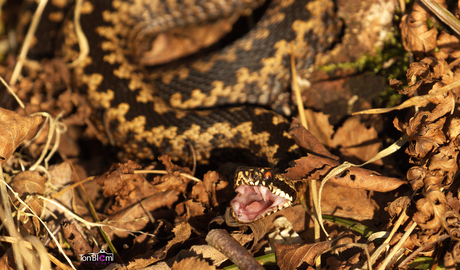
(253, 202)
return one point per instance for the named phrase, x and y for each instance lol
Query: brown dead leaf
(76, 240)
(315, 167)
(135, 217)
(259, 228)
(423, 136)
(307, 141)
(203, 251)
(310, 167)
(7, 260)
(206, 191)
(182, 232)
(319, 126)
(292, 256)
(60, 177)
(357, 141)
(449, 46)
(15, 129)
(173, 180)
(188, 209)
(417, 37)
(431, 210)
(171, 167)
(192, 263)
(127, 187)
(29, 183)
(452, 224)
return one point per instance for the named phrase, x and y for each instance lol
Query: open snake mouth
(257, 194)
(255, 202)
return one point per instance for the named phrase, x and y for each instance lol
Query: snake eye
(268, 176)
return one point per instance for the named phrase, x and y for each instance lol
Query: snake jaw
(259, 194)
(255, 202)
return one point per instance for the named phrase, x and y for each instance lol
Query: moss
(392, 62)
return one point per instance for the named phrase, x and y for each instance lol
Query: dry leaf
(127, 187)
(357, 141)
(417, 37)
(192, 263)
(319, 126)
(292, 256)
(307, 141)
(29, 183)
(449, 46)
(203, 251)
(315, 167)
(76, 240)
(182, 232)
(135, 217)
(174, 178)
(15, 129)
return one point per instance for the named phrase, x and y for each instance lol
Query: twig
(443, 14)
(397, 246)
(18, 100)
(27, 41)
(165, 172)
(227, 245)
(313, 183)
(82, 40)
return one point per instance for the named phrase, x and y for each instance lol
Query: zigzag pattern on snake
(218, 101)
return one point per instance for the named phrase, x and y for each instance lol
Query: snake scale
(235, 99)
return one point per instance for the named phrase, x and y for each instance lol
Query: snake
(233, 103)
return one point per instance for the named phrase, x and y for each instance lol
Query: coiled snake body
(231, 99)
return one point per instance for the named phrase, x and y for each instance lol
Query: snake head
(260, 192)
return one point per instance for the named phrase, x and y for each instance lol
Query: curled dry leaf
(258, 228)
(423, 136)
(189, 209)
(449, 46)
(173, 179)
(417, 36)
(434, 147)
(428, 71)
(431, 211)
(206, 190)
(452, 224)
(15, 129)
(127, 187)
(452, 256)
(456, 252)
(399, 205)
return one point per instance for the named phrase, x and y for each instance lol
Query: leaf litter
(170, 220)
